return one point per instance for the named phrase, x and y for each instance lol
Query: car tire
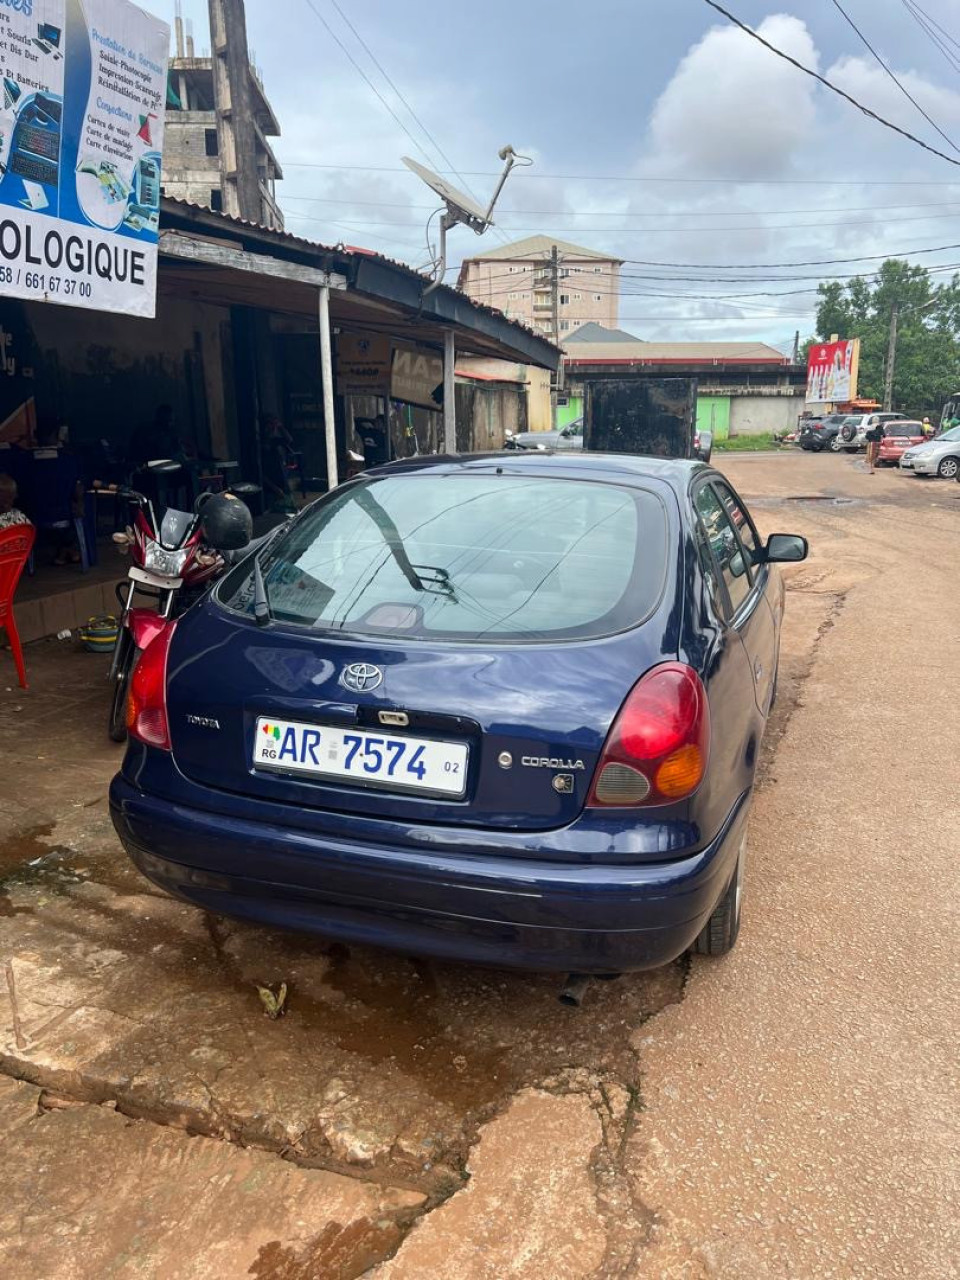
(949, 469)
(723, 928)
(836, 444)
(816, 448)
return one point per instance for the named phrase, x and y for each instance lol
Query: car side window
(738, 514)
(725, 544)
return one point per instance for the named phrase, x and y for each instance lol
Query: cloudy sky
(659, 132)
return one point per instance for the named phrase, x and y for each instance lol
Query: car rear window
(469, 557)
(903, 429)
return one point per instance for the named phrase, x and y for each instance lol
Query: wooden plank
(174, 244)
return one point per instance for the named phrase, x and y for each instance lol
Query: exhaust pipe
(574, 989)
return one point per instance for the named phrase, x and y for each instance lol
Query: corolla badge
(361, 677)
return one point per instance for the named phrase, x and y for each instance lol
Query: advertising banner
(81, 140)
(417, 375)
(832, 372)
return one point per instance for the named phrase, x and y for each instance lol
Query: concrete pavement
(787, 1111)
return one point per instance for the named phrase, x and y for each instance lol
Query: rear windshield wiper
(261, 604)
(391, 535)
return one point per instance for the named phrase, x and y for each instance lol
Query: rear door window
(728, 552)
(741, 520)
(469, 557)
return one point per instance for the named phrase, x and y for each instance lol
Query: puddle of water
(28, 858)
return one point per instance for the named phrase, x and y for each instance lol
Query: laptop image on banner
(36, 197)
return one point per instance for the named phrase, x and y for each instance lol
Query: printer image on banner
(81, 144)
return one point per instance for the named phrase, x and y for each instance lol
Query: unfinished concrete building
(218, 121)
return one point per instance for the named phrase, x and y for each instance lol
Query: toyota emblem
(361, 677)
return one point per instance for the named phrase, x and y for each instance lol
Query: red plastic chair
(16, 543)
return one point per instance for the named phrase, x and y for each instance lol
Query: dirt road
(788, 1111)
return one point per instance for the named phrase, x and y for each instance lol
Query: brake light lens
(659, 745)
(147, 719)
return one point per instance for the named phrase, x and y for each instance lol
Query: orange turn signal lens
(681, 772)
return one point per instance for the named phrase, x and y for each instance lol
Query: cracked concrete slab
(530, 1209)
(138, 1199)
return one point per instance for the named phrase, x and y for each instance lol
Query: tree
(927, 368)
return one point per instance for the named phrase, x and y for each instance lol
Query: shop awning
(215, 258)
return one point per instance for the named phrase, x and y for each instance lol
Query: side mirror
(785, 548)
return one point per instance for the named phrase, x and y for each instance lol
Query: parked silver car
(568, 437)
(938, 457)
(571, 437)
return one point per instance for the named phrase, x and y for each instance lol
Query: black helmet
(227, 522)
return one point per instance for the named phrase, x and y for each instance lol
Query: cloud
(732, 107)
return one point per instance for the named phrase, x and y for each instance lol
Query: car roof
(625, 467)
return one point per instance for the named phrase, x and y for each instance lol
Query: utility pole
(555, 325)
(236, 131)
(796, 347)
(891, 357)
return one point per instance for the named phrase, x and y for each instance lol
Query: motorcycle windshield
(174, 528)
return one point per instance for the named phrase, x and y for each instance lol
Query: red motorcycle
(174, 562)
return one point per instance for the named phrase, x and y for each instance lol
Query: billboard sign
(81, 141)
(832, 371)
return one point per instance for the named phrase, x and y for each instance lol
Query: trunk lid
(533, 717)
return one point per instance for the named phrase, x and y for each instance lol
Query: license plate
(391, 761)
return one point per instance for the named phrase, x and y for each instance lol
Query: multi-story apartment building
(519, 279)
(218, 120)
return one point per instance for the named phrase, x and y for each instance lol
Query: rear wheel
(836, 444)
(720, 932)
(126, 660)
(949, 468)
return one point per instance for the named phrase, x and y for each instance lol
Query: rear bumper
(458, 906)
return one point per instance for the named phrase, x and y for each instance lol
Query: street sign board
(81, 144)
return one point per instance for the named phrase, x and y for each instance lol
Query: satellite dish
(460, 207)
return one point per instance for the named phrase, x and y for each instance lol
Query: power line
(905, 91)
(924, 21)
(360, 71)
(663, 231)
(600, 177)
(376, 62)
(872, 115)
(613, 213)
(813, 262)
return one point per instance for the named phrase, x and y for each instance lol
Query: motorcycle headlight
(157, 559)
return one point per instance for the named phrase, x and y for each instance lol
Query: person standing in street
(874, 436)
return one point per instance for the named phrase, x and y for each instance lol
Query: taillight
(147, 700)
(657, 750)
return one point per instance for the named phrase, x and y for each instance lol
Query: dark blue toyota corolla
(504, 709)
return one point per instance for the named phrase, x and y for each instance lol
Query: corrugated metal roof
(593, 332)
(674, 352)
(540, 246)
(287, 239)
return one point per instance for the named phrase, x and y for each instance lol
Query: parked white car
(938, 457)
(853, 430)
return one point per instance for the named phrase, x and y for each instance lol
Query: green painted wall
(569, 412)
(713, 414)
